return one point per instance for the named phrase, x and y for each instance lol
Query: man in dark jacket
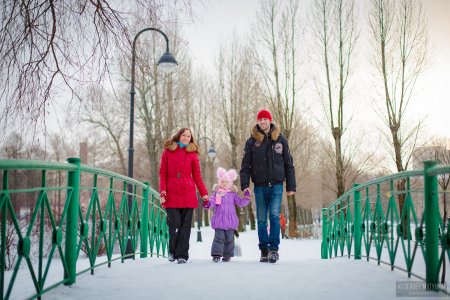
(268, 162)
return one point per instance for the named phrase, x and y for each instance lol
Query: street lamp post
(211, 153)
(166, 63)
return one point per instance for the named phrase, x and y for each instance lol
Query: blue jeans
(268, 200)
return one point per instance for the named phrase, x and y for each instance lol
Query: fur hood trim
(216, 186)
(259, 135)
(172, 146)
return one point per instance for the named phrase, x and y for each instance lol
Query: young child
(224, 220)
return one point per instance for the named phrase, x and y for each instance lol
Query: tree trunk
(309, 218)
(170, 110)
(153, 156)
(205, 211)
(239, 211)
(251, 215)
(206, 218)
(293, 232)
(397, 147)
(337, 135)
(401, 189)
(401, 185)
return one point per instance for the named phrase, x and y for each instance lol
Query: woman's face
(185, 138)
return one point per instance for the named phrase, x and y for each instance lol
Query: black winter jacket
(267, 160)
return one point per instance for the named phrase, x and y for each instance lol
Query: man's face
(264, 124)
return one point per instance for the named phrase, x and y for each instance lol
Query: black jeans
(179, 221)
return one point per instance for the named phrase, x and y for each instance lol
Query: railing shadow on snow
(50, 212)
(369, 221)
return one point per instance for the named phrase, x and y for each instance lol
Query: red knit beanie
(264, 114)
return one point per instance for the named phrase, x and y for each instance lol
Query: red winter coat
(179, 174)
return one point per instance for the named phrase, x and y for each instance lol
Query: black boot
(171, 257)
(264, 255)
(273, 256)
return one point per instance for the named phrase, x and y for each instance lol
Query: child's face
(225, 184)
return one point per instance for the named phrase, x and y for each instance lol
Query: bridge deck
(300, 274)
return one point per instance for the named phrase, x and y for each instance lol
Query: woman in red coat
(179, 175)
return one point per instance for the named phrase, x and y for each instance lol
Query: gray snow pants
(223, 243)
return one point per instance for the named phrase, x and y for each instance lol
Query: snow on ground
(299, 274)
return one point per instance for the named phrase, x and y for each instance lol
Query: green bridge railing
(50, 212)
(401, 211)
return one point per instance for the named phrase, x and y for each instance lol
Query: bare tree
(162, 104)
(277, 34)
(334, 27)
(237, 93)
(151, 88)
(400, 38)
(207, 128)
(305, 148)
(110, 114)
(164, 100)
(48, 44)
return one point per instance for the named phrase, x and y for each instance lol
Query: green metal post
(73, 183)
(324, 234)
(431, 225)
(357, 221)
(144, 222)
(3, 207)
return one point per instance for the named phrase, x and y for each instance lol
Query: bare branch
(47, 46)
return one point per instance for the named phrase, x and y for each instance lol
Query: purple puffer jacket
(224, 216)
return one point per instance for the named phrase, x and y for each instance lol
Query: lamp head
(212, 152)
(167, 63)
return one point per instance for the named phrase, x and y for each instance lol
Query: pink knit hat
(229, 175)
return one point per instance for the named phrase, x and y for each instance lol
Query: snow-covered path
(300, 274)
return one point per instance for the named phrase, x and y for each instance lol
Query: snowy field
(299, 274)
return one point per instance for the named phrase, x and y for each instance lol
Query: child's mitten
(206, 203)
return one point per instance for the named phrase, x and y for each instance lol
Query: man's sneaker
(226, 259)
(264, 255)
(273, 256)
(216, 258)
(181, 260)
(171, 257)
